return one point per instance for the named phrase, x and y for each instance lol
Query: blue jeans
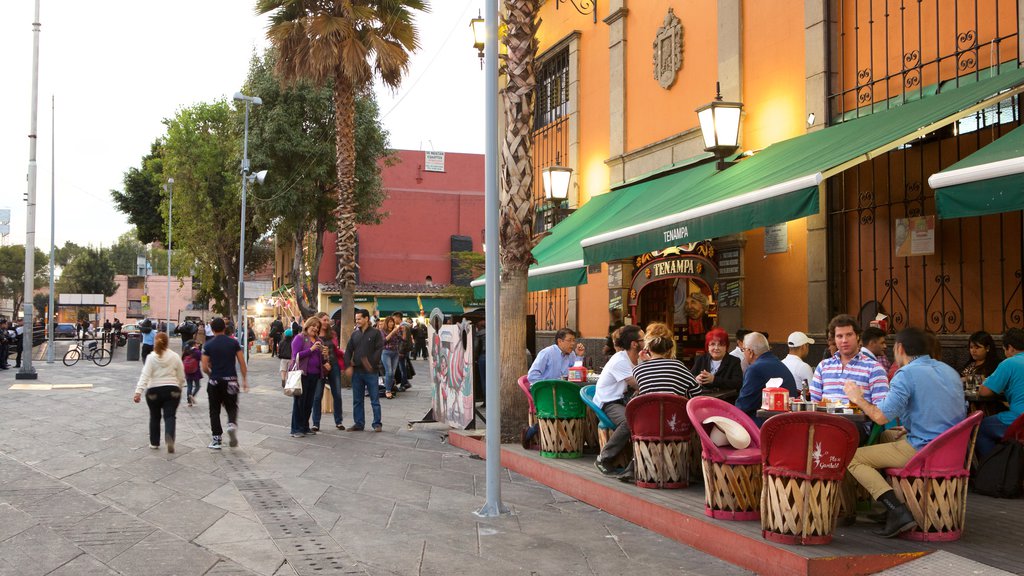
(302, 405)
(193, 386)
(361, 383)
(989, 434)
(390, 360)
(334, 381)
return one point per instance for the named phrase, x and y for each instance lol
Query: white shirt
(800, 369)
(165, 370)
(743, 359)
(611, 385)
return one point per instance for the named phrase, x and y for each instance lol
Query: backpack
(999, 474)
(191, 364)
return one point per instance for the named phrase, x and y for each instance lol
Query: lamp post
(493, 505)
(170, 222)
(556, 190)
(720, 127)
(249, 101)
(27, 372)
(50, 324)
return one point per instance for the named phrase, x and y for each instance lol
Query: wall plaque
(668, 50)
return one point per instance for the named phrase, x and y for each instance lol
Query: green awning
(447, 305)
(408, 306)
(560, 256)
(780, 183)
(989, 181)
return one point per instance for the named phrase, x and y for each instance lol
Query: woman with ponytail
(162, 379)
(658, 370)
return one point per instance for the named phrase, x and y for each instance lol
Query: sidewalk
(82, 494)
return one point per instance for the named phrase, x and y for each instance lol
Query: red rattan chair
(662, 447)
(732, 477)
(524, 385)
(1015, 433)
(804, 457)
(933, 484)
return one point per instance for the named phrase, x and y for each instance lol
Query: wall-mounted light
(720, 127)
(479, 36)
(556, 182)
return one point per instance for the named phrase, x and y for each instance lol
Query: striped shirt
(666, 375)
(830, 375)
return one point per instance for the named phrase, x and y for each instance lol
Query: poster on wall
(915, 236)
(451, 373)
(776, 239)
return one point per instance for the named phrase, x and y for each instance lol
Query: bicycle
(98, 354)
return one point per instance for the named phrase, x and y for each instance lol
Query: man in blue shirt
(552, 363)
(763, 365)
(1008, 379)
(148, 337)
(928, 399)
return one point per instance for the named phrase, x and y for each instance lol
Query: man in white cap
(799, 346)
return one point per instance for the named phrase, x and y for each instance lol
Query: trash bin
(134, 347)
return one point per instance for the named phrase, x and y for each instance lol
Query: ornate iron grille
(889, 51)
(551, 100)
(550, 148)
(550, 308)
(973, 279)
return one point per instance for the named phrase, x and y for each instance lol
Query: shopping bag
(293, 383)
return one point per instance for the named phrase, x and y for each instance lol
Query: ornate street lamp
(479, 36)
(720, 127)
(556, 190)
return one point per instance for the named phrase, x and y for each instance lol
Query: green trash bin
(561, 415)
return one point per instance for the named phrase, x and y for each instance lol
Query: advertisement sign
(451, 373)
(915, 236)
(433, 162)
(776, 239)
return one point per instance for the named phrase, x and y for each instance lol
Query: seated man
(928, 399)
(799, 346)
(874, 346)
(762, 366)
(848, 363)
(610, 392)
(552, 363)
(1008, 379)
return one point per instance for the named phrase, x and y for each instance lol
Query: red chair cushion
(658, 417)
(744, 457)
(788, 449)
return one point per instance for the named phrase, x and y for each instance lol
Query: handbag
(293, 382)
(999, 474)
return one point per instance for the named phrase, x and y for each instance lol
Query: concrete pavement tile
(232, 528)
(228, 568)
(285, 570)
(159, 555)
(136, 496)
(305, 491)
(283, 444)
(107, 533)
(336, 475)
(463, 462)
(37, 453)
(229, 498)
(84, 565)
(119, 456)
(37, 550)
(64, 508)
(186, 517)
(357, 511)
(441, 559)
(152, 468)
(397, 489)
(318, 564)
(425, 458)
(192, 482)
(445, 500)
(13, 521)
(201, 459)
(19, 497)
(325, 518)
(548, 554)
(97, 479)
(278, 464)
(449, 479)
(316, 543)
(372, 549)
(261, 556)
(524, 495)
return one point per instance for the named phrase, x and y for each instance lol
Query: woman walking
(191, 360)
(162, 379)
(392, 347)
(332, 379)
(306, 356)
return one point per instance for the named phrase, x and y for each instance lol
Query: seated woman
(658, 369)
(717, 370)
(984, 355)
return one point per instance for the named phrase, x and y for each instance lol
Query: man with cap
(799, 345)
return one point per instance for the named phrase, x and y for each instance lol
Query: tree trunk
(299, 275)
(516, 218)
(345, 249)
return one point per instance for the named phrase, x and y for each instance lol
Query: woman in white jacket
(162, 379)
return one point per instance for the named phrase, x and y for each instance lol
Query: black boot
(899, 519)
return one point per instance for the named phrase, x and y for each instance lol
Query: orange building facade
(616, 104)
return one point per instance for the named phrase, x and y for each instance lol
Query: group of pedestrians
(11, 338)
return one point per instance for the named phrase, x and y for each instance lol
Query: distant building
(139, 297)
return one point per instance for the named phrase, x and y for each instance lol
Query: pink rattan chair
(933, 484)
(732, 478)
(804, 456)
(662, 446)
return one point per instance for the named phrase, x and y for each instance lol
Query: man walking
(276, 330)
(219, 356)
(362, 356)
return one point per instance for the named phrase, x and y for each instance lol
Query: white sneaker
(154, 447)
(232, 435)
(215, 444)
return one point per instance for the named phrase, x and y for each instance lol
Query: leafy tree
(294, 133)
(62, 255)
(125, 252)
(346, 43)
(41, 301)
(143, 192)
(467, 264)
(12, 273)
(88, 273)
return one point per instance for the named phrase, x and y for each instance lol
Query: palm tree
(516, 218)
(345, 43)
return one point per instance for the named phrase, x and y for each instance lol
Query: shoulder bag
(293, 381)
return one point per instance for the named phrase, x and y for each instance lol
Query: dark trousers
(18, 346)
(146, 349)
(217, 393)
(420, 349)
(162, 401)
(616, 412)
(193, 386)
(302, 405)
(4, 354)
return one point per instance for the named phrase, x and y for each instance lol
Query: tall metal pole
(241, 244)
(50, 325)
(493, 506)
(27, 372)
(170, 223)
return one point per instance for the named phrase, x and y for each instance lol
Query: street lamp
(249, 101)
(720, 127)
(170, 221)
(479, 36)
(556, 191)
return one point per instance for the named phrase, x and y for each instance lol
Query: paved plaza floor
(82, 494)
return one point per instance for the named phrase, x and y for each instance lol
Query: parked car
(63, 330)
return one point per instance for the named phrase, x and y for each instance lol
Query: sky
(116, 73)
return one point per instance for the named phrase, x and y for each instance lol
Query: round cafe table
(855, 418)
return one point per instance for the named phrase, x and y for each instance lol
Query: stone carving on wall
(668, 50)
